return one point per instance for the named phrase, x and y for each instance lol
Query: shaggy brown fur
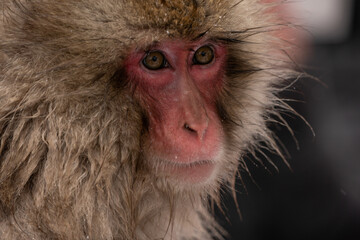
(70, 129)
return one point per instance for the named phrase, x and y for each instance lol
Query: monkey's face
(177, 84)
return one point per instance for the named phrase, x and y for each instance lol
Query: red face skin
(185, 133)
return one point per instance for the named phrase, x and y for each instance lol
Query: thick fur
(70, 128)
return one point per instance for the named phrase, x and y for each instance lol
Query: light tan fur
(70, 130)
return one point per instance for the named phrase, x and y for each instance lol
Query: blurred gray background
(320, 197)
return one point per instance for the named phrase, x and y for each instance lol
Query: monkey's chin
(197, 172)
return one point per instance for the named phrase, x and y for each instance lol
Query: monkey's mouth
(199, 171)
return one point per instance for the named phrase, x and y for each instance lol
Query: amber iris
(204, 55)
(154, 60)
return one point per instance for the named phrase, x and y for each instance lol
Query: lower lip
(196, 172)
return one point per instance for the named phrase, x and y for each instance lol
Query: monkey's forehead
(109, 26)
(153, 20)
(178, 18)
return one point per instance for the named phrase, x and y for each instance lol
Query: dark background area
(320, 197)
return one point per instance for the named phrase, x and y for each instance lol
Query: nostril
(198, 130)
(187, 127)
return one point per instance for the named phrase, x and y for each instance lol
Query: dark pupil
(154, 60)
(203, 55)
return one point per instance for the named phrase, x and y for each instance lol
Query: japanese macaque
(122, 119)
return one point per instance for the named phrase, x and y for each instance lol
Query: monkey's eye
(203, 55)
(154, 60)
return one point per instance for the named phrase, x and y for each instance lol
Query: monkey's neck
(174, 216)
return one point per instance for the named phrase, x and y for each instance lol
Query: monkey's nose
(198, 129)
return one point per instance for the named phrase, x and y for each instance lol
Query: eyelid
(206, 45)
